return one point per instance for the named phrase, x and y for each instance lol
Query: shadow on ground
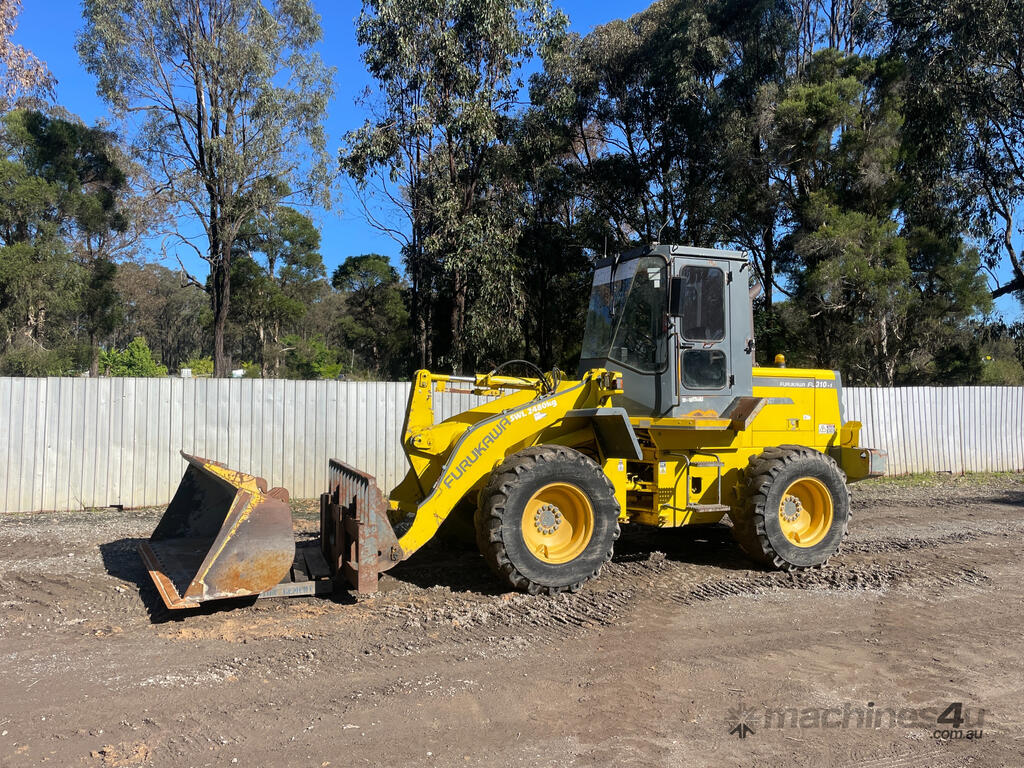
(452, 562)
(121, 560)
(456, 564)
(1013, 498)
(710, 544)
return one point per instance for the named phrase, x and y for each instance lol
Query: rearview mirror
(675, 297)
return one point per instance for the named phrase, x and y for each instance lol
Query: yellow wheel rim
(558, 522)
(805, 512)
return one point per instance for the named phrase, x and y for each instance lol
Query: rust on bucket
(223, 535)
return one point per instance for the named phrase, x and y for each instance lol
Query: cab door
(640, 348)
(699, 307)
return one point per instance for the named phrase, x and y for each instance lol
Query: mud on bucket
(223, 535)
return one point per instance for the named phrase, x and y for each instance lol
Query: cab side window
(703, 304)
(704, 369)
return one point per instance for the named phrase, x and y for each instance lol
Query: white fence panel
(942, 429)
(73, 443)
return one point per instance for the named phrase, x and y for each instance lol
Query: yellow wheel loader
(669, 423)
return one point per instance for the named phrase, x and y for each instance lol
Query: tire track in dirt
(832, 579)
(412, 618)
(888, 544)
(628, 585)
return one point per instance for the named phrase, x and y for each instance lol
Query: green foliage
(553, 271)
(964, 133)
(709, 123)
(100, 301)
(31, 360)
(883, 302)
(1000, 351)
(376, 322)
(173, 318)
(447, 75)
(869, 163)
(203, 367)
(23, 77)
(200, 366)
(134, 360)
(277, 273)
(310, 359)
(259, 120)
(252, 370)
(1001, 371)
(62, 185)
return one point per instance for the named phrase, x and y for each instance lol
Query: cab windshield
(626, 316)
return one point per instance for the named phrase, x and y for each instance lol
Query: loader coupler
(356, 536)
(223, 535)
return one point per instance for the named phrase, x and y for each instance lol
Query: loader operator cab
(677, 322)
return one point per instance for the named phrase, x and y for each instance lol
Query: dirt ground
(662, 661)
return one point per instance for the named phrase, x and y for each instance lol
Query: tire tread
(492, 506)
(749, 521)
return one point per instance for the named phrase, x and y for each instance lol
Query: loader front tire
(547, 520)
(797, 509)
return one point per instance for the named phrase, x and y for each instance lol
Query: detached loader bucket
(223, 535)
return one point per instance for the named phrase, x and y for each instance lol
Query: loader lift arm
(517, 422)
(447, 461)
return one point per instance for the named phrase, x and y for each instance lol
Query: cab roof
(668, 251)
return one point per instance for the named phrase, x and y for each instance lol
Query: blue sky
(48, 29)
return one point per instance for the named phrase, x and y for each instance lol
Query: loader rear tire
(797, 509)
(548, 520)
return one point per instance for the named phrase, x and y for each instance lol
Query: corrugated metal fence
(73, 443)
(942, 429)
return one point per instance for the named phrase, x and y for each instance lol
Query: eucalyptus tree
(22, 74)
(965, 119)
(231, 97)
(447, 73)
(668, 116)
(278, 271)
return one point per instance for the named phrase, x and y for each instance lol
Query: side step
(709, 508)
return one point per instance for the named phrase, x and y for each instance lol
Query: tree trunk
(421, 336)
(94, 362)
(419, 317)
(428, 337)
(261, 332)
(276, 337)
(768, 268)
(418, 309)
(884, 366)
(458, 320)
(221, 300)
